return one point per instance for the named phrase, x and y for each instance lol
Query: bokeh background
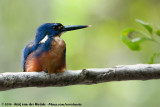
(99, 46)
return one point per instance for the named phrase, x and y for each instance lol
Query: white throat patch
(44, 39)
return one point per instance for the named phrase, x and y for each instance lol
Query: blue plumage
(44, 47)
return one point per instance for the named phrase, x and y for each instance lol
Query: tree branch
(85, 76)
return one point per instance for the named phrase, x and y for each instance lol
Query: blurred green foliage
(128, 37)
(132, 43)
(97, 47)
(146, 25)
(158, 32)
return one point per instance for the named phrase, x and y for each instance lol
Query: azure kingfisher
(47, 52)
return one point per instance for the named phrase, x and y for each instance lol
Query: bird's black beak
(74, 27)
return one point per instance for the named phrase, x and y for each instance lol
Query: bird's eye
(60, 27)
(57, 27)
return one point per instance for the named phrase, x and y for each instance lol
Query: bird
(48, 51)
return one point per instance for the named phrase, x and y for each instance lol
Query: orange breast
(33, 64)
(53, 60)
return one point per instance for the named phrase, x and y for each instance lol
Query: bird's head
(54, 29)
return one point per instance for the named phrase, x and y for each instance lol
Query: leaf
(146, 25)
(132, 43)
(154, 57)
(158, 32)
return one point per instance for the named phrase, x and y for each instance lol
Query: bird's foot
(46, 70)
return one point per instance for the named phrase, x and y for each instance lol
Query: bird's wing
(26, 51)
(65, 55)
